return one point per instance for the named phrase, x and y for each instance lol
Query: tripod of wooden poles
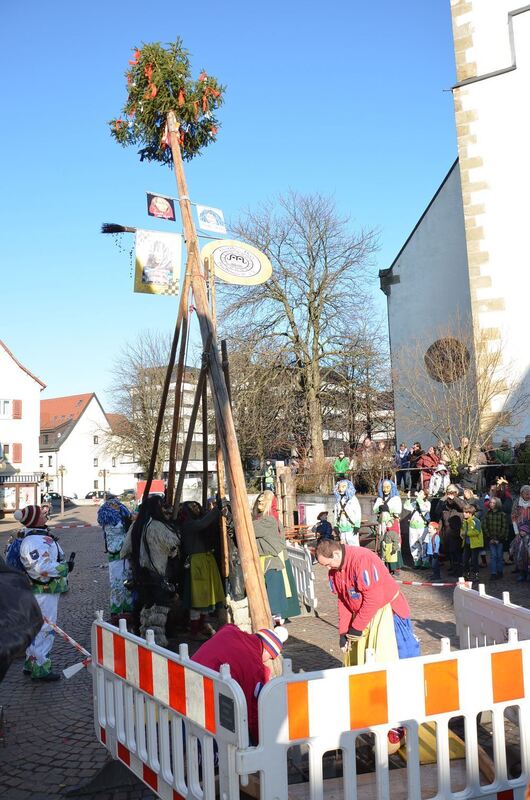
(199, 280)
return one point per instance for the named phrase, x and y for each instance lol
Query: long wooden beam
(254, 581)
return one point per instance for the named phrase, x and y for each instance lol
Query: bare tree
(263, 397)
(461, 386)
(314, 298)
(137, 376)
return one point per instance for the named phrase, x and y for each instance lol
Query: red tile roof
(59, 410)
(117, 422)
(31, 375)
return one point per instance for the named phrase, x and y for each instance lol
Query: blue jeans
(435, 565)
(497, 560)
(403, 479)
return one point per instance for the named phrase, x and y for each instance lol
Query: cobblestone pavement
(51, 745)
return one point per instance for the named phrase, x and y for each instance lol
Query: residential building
(19, 432)
(74, 453)
(466, 259)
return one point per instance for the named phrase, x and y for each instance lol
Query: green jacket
(341, 465)
(472, 529)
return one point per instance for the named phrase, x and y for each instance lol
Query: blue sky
(345, 98)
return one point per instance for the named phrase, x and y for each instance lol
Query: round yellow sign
(237, 262)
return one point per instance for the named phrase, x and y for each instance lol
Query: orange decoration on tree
(137, 54)
(181, 97)
(203, 76)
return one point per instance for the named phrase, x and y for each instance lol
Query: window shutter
(17, 409)
(17, 453)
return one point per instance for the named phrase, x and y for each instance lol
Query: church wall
(428, 290)
(493, 129)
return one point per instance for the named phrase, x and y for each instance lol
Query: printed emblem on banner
(160, 206)
(158, 261)
(211, 219)
(238, 262)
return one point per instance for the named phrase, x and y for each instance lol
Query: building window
(5, 409)
(6, 450)
(95, 484)
(113, 462)
(95, 462)
(50, 461)
(96, 440)
(46, 438)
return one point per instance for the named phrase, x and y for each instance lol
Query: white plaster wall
(433, 289)
(78, 452)
(16, 384)
(502, 130)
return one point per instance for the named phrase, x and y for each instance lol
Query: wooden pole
(205, 446)
(220, 464)
(201, 383)
(254, 582)
(165, 389)
(176, 408)
(226, 368)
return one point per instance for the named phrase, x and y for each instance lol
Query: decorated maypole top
(158, 82)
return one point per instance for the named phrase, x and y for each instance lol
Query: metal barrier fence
(302, 564)
(483, 620)
(166, 718)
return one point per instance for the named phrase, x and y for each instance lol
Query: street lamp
(103, 474)
(61, 470)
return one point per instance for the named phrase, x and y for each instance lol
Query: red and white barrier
(160, 713)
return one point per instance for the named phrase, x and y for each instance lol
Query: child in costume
(388, 506)
(432, 548)
(391, 544)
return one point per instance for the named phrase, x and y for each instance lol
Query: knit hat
(272, 640)
(28, 516)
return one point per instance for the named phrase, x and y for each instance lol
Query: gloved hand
(344, 644)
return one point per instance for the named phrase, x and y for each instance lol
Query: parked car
(98, 495)
(55, 499)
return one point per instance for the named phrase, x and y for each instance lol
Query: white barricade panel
(168, 719)
(302, 564)
(483, 620)
(440, 702)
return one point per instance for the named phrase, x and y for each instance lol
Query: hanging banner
(160, 206)
(237, 262)
(211, 219)
(158, 261)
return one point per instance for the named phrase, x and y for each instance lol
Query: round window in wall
(447, 360)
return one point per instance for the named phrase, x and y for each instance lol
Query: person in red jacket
(428, 463)
(372, 611)
(247, 655)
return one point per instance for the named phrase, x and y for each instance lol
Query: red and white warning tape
(57, 527)
(438, 583)
(69, 671)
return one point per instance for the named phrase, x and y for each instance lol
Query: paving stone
(51, 746)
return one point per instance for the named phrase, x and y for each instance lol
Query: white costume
(418, 532)
(44, 562)
(439, 481)
(347, 513)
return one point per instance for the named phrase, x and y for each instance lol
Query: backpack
(13, 555)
